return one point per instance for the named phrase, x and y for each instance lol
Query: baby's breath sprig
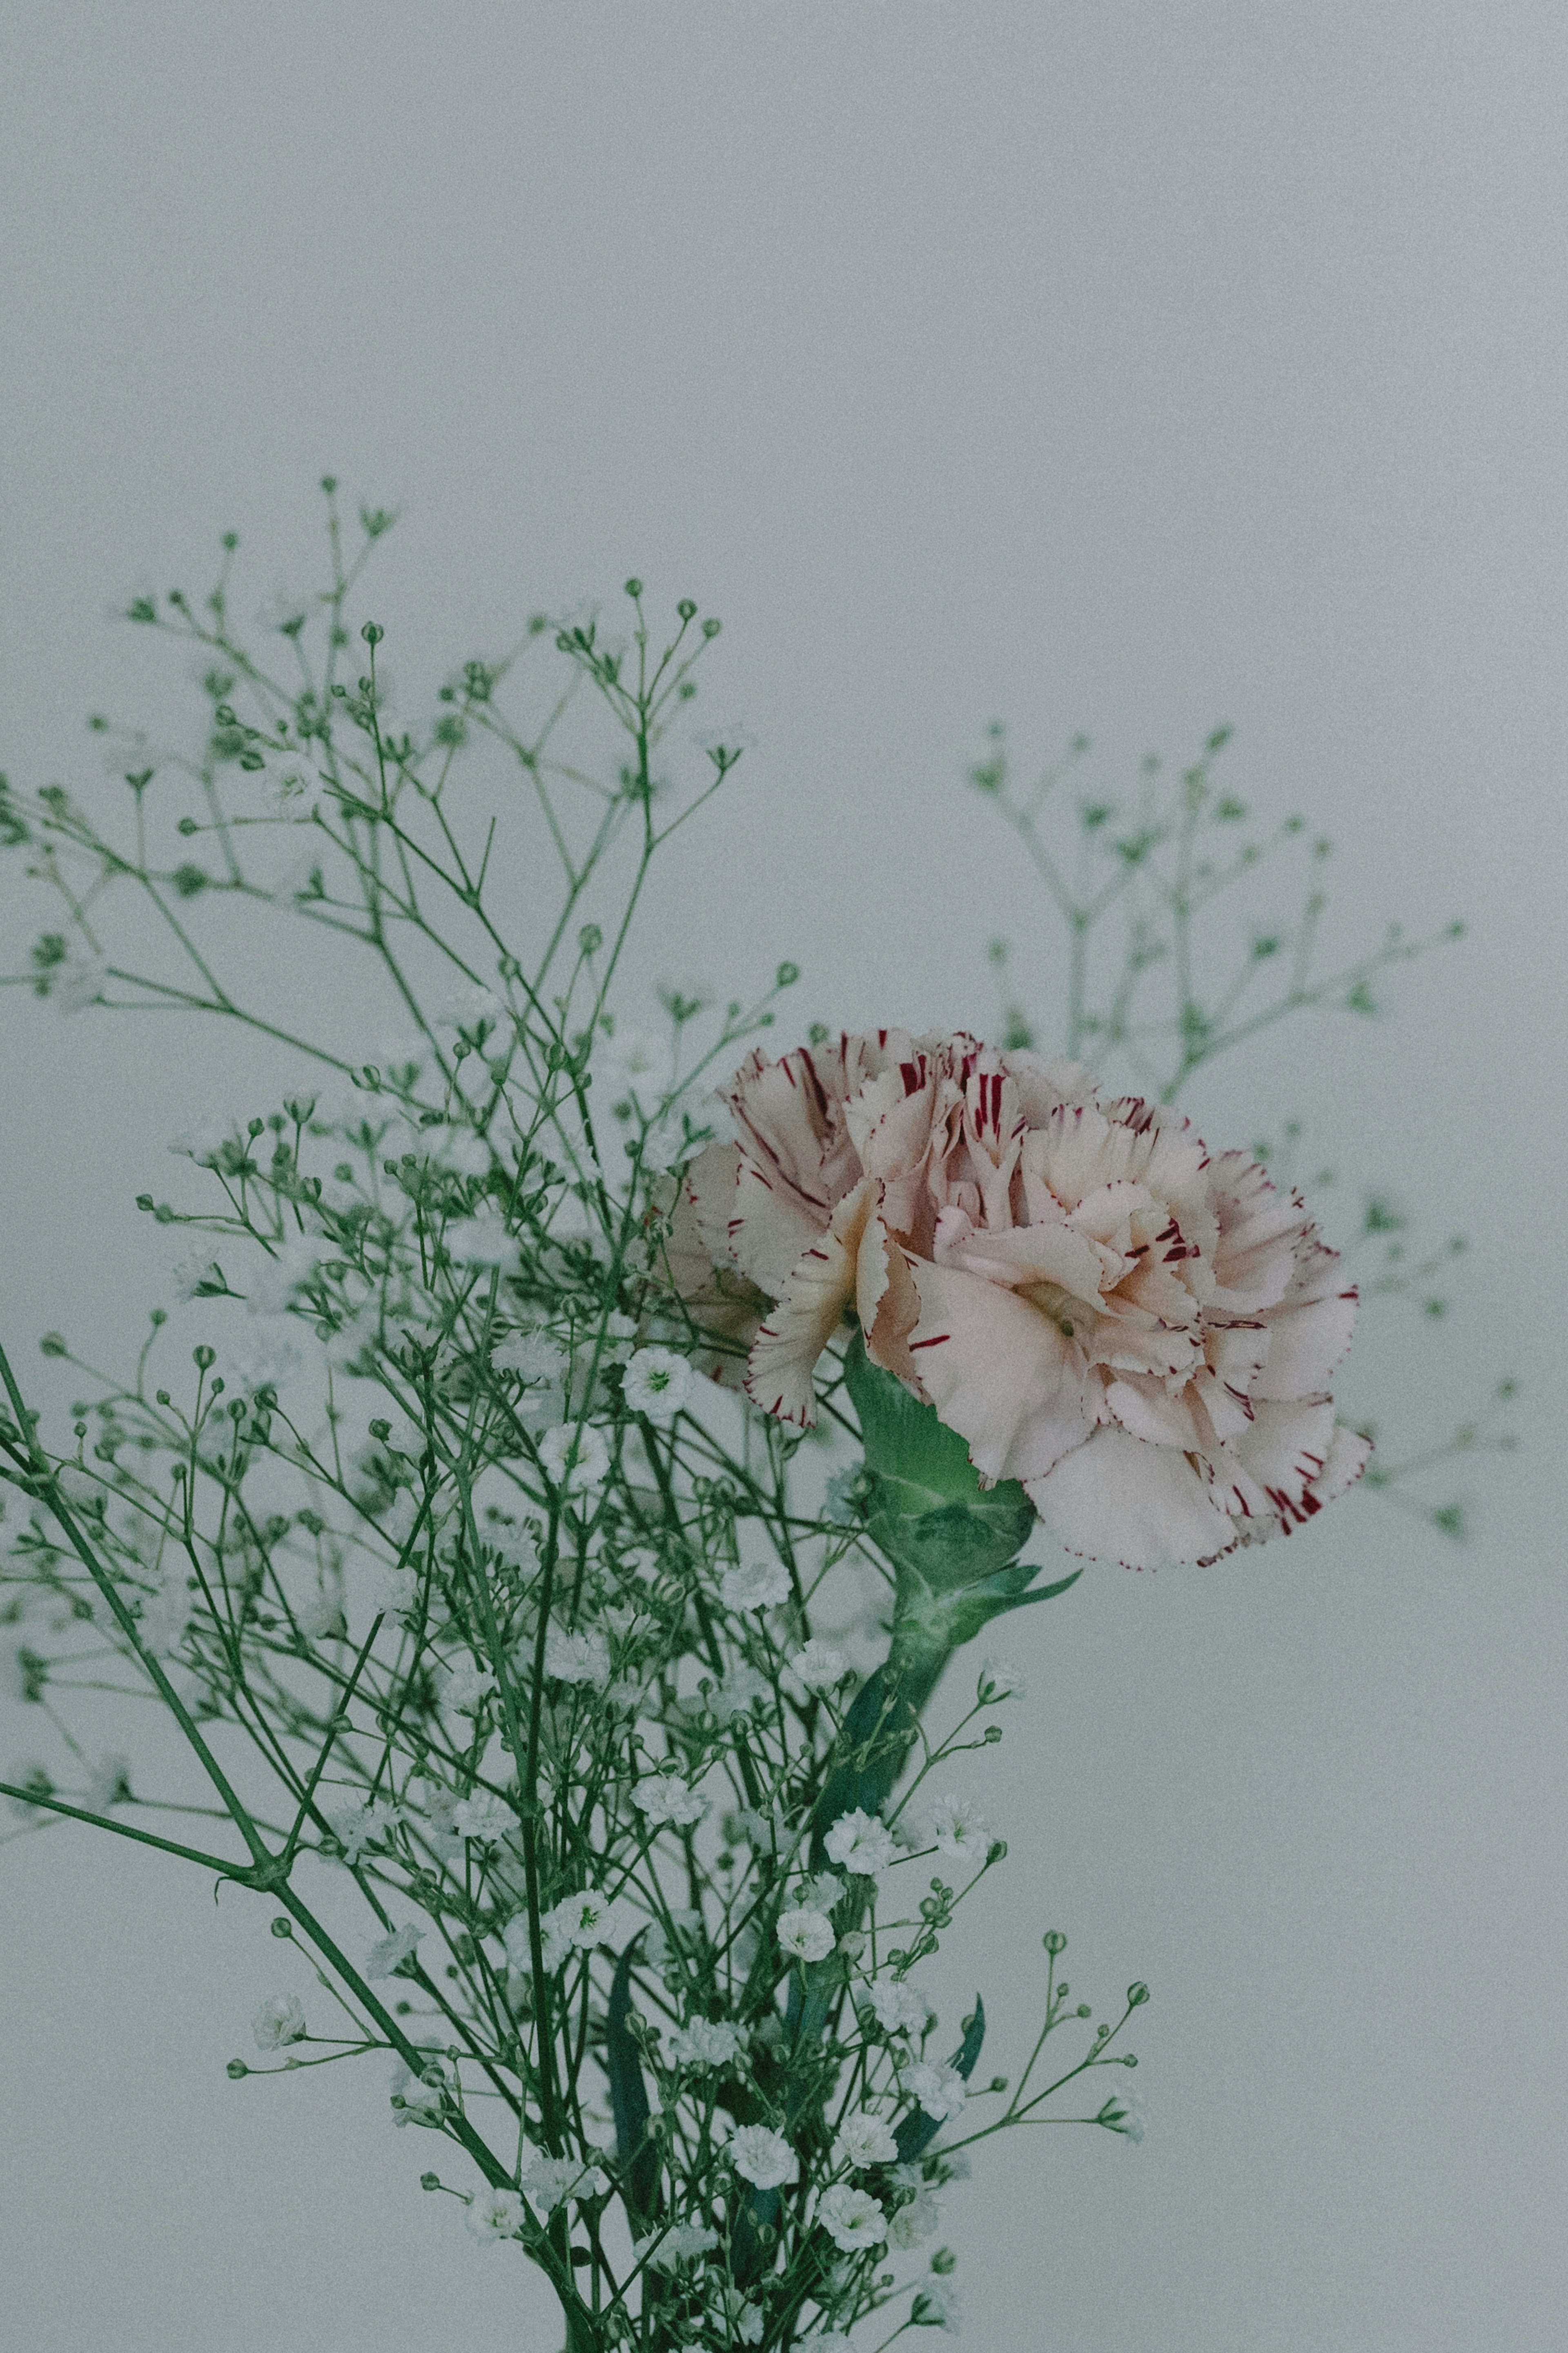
(568, 1713)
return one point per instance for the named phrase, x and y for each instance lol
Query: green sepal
(925, 1506)
(919, 2130)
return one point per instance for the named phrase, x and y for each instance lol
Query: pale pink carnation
(1142, 1333)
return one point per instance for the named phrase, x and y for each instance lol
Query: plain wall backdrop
(1125, 366)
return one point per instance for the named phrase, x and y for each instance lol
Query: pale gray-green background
(1122, 366)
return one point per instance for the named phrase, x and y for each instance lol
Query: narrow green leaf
(638, 2156)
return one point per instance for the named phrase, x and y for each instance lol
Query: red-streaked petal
(1116, 1498)
(999, 1372)
(810, 1305)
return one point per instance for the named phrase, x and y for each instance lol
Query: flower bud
(1054, 1941)
(1137, 1994)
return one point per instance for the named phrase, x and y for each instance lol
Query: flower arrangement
(582, 1480)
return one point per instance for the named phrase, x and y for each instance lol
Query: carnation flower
(806, 1935)
(592, 1456)
(858, 1843)
(764, 2158)
(1139, 1331)
(755, 1585)
(863, 2139)
(852, 2218)
(492, 2214)
(656, 1383)
(280, 2021)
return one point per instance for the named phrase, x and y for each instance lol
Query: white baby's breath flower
(680, 2245)
(863, 2139)
(464, 1686)
(656, 1383)
(468, 1008)
(1000, 1678)
(388, 1953)
(739, 1692)
(938, 2305)
(661, 1797)
(1126, 2112)
(899, 2005)
(108, 1783)
(940, 2091)
(302, 879)
(319, 1615)
(852, 2218)
(492, 2214)
(915, 2219)
(550, 2179)
(955, 1826)
(292, 796)
(195, 1270)
(764, 2158)
(484, 1818)
(861, 1845)
(398, 1589)
(78, 983)
(206, 1143)
(593, 1456)
(483, 1240)
(573, 1658)
(280, 2021)
(415, 2101)
(276, 1281)
(819, 1666)
(819, 1893)
(755, 1585)
(357, 1826)
(578, 1924)
(37, 1781)
(532, 1355)
(806, 1935)
(703, 2043)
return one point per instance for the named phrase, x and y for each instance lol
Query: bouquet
(578, 1454)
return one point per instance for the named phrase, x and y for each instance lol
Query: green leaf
(638, 2156)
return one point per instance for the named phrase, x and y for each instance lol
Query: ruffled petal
(724, 1307)
(1286, 1449)
(1305, 1344)
(810, 1304)
(999, 1372)
(1116, 1498)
